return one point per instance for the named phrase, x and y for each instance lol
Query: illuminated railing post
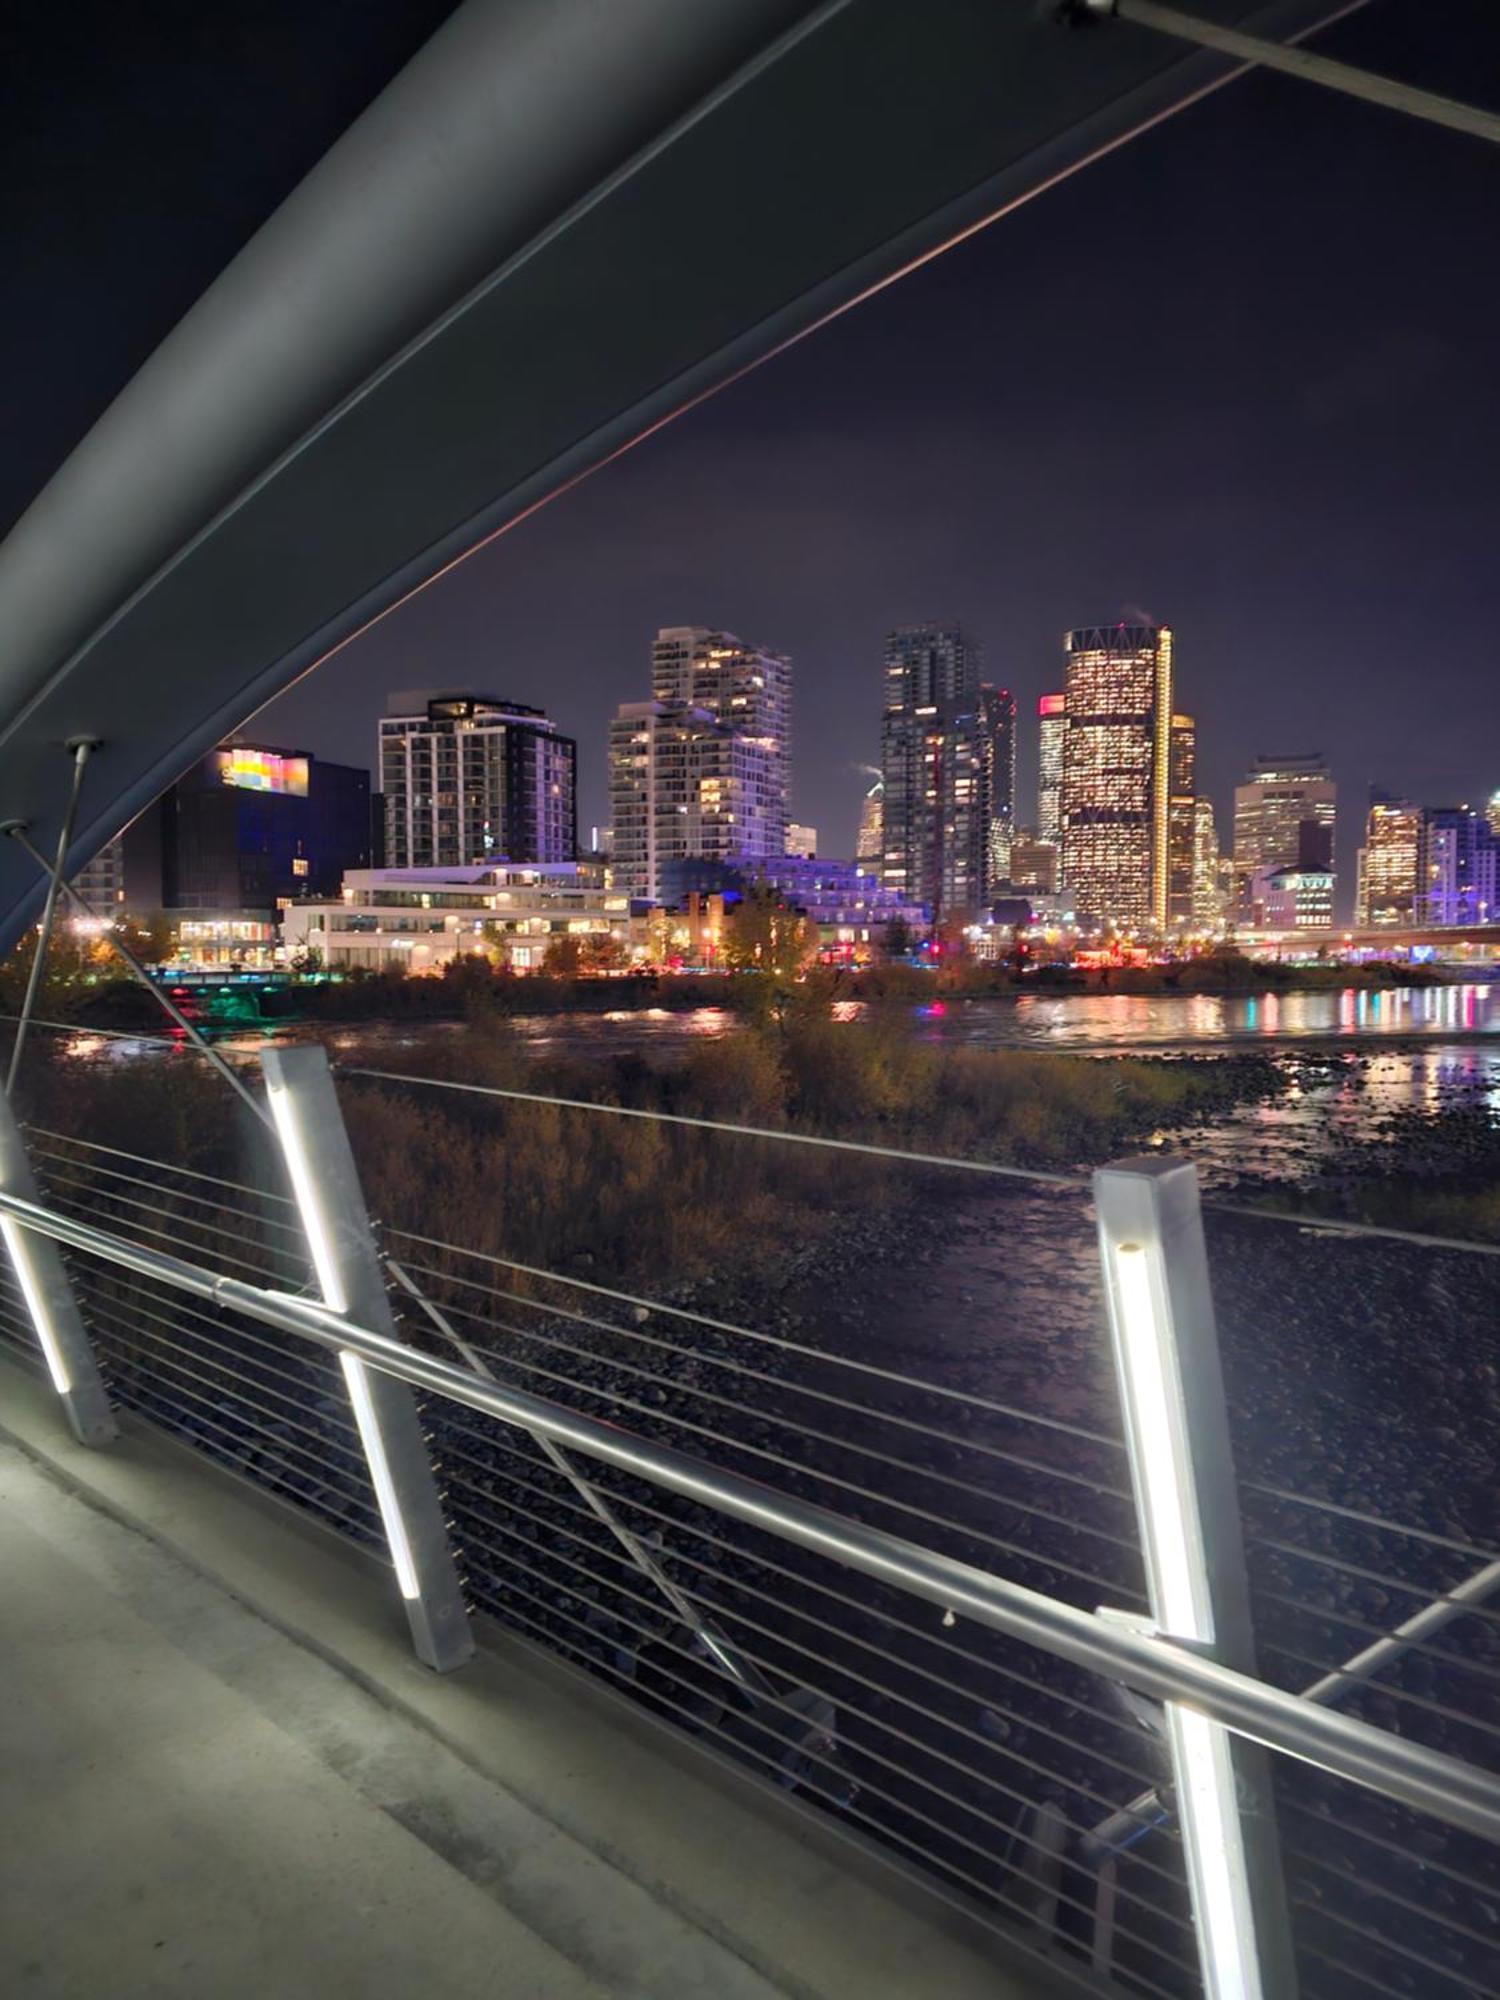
(1166, 1357)
(50, 1305)
(320, 1166)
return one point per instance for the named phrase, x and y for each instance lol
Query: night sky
(1243, 377)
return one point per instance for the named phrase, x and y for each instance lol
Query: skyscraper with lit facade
(1052, 732)
(1458, 867)
(467, 778)
(871, 841)
(1182, 807)
(1208, 894)
(1283, 818)
(997, 729)
(1116, 791)
(1386, 890)
(700, 771)
(933, 770)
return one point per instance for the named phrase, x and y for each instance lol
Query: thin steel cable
(174, 1237)
(970, 1697)
(1423, 1647)
(1121, 1725)
(53, 869)
(1050, 1773)
(1442, 1921)
(1332, 1226)
(1425, 1596)
(1033, 1174)
(321, 1438)
(869, 1368)
(1424, 1864)
(213, 1201)
(319, 1364)
(163, 1166)
(658, 1416)
(788, 1384)
(1369, 1979)
(1382, 1689)
(1387, 1944)
(1367, 1520)
(242, 1450)
(178, 1374)
(55, 1178)
(681, 1388)
(740, 1752)
(862, 1750)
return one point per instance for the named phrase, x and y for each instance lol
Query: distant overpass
(1460, 943)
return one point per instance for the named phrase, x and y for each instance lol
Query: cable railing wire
(506, 1584)
(1420, 1648)
(162, 1166)
(864, 1411)
(212, 1201)
(1342, 1511)
(1425, 1594)
(869, 1368)
(693, 1390)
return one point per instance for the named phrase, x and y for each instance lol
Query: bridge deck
(194, 1801)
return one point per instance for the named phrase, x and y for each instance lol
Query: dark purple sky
(1244, 375)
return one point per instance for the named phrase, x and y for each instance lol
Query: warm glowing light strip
(331, 1283)
(36, 1304)
(1174, 1538)
(1207, 1804)
(358, 1381)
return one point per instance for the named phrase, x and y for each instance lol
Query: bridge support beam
(45, 1286)
(320, 1165)
(1166, 1357)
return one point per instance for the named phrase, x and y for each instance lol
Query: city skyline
(1305, 496)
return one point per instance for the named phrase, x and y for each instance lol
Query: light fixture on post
(1172, 1397)
(325, 1184)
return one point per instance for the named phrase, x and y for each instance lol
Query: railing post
(320, 1166)
(48, 1292)
(1166, 1356)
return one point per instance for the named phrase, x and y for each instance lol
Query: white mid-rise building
(419, 919)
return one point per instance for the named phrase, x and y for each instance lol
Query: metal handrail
(1426, 1780)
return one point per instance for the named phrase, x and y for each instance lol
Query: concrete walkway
(207, 1800)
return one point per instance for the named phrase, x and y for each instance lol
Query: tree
(762, 934)
(896, 939)
(151, 936)
(563, 956)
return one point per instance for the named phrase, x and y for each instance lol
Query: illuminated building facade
(1208, 894)
(1116, 796)
(1386, 890)
(1458, 867)
(101, 882)
(417, 920)
(935, 815)
(746, 689)
(1291, 899)
(1052, 731)
(248, 830)
(997, 730)
(1033, 863)
(467, 778)
(872, 824)
(1283, 816)
(801, 841)
(1182, 813)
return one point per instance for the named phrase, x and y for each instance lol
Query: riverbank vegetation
(562, 1187)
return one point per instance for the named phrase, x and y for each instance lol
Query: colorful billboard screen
(262, 770)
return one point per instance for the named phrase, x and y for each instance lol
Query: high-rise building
(1052, 731)
(933, 764)
(872, 822)
(801, 841)
(748, 690)
(101, 882)
(1116, 798)
(700, 771)
(1033, 863)
(1458, 867)
(1283, 818)
(1208, 898)
(1386, 891)
(1182, 818)
(997, 730)
(468, 778)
